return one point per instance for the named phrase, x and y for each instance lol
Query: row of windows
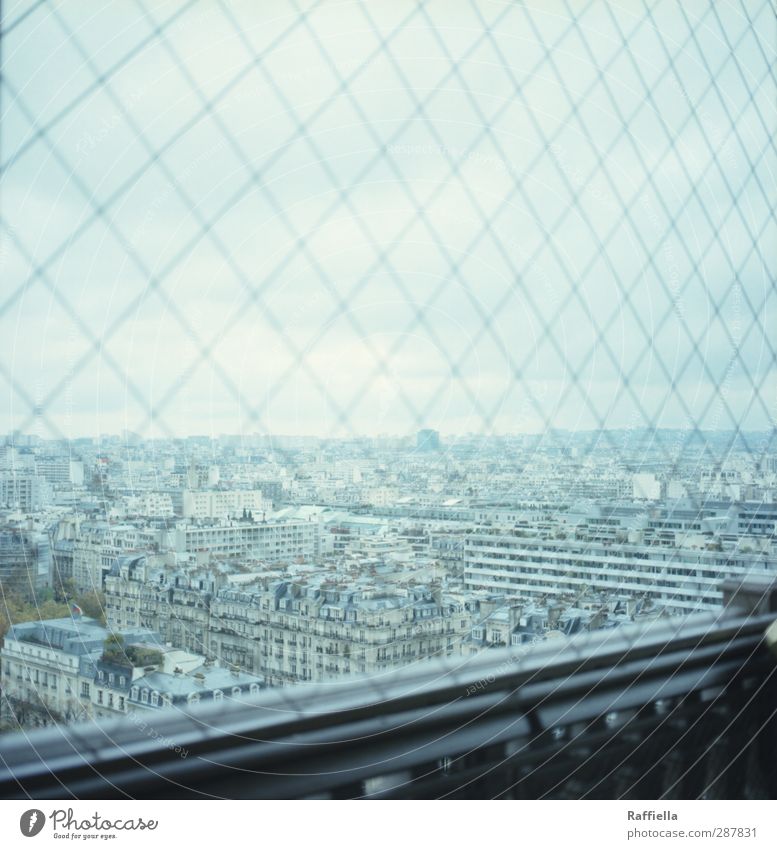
(111, 702)
(153, 697)
(112, 678)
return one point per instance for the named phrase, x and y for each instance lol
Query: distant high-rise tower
(428, 440)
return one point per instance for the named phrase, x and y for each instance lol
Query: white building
(25, 492)
(646, 486)
(681, 579)
(223, 504)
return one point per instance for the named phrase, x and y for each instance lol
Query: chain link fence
(349, 219)
(554, 220)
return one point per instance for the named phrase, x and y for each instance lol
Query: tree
(93, 605)
(113, 649)
(142, 656)
(64, 588)
(116, 651)
(14, 610)
(44, 604)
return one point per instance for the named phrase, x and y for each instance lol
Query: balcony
(679, 708)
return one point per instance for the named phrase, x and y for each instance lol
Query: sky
(340, 218)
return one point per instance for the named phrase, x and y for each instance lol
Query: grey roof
(213, 678)
(71, 634)
(76, 635)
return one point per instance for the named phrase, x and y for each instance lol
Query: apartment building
(680, 579)
(151, 504)
(26, 562)
(310, 628)
(95, 549)
(42, 672)
(308, 631)
(60, 471)
(149, 675)
(269, 540)
(223, 503)
(24, 491)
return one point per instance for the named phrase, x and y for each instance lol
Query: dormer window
(110, 677)
(218, 696)
(194, 699)
(236, 691)
(134, 693)
(144, 696)
(122, 681)
(254, 689)
(155, 699)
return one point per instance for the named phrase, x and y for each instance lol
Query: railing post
(749, 597)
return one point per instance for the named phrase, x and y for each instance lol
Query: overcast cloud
(363, 218)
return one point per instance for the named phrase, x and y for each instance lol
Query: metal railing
(673, 709)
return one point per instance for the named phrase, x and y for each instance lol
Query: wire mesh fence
(350, 220)
(549, 222)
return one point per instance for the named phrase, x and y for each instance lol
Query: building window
(218, 696)
(134, 693)
(85, 689)
(122, 681)
(121, 702)
(110, 700)
(155, 699)
(110, 677)
(99, 697)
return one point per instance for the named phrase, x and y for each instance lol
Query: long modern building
(680, 579)
(270, 540)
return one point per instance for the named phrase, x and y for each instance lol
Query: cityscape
(389, 411)
(142, 574)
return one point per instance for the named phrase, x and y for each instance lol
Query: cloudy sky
(335, 217)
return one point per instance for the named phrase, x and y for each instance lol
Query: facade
(42, 678)
(272, 540)
(223, 504)
(682, 580)
(63, 670)
(96, 548)
(25, 492)
(311, 629)
(290, 632)
(26, 562)
(60, 471)
(156, 690)
(151, 504)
